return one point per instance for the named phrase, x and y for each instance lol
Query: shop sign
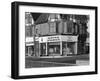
(58, 39)
(31, 39)
(54, 43)
(69, 38)
(53, 39)
(72, 38)
(42, 39)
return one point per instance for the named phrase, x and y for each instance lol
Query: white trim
(29, 44)
(53, 70)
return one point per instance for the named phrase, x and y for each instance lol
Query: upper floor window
(28, 19)
(82, 29)
(52, 27)
(68, 27)
(28, 31)
(54, 17)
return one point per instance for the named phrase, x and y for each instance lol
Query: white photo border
(54, 70)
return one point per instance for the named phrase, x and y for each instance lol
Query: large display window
(68, 48)
(54, 48)
(58, 48)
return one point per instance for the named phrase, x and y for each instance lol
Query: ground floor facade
(57, 45)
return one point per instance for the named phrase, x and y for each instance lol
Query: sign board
(69, 38)
(53, 39)
(58, 38)
(31, 39)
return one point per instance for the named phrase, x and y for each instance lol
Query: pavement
(55, 61)
(38, 64)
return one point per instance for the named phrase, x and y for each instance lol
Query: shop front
(29, 46)
(29, 49)
(58, 45)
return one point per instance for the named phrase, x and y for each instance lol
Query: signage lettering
(53, 39)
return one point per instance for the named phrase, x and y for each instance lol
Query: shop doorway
(43, 49)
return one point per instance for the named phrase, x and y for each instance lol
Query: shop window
(54, 48)
(68, 48)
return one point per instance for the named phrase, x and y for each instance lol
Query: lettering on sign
(71, 39)
(52, 39)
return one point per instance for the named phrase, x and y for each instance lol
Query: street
(32, 62)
